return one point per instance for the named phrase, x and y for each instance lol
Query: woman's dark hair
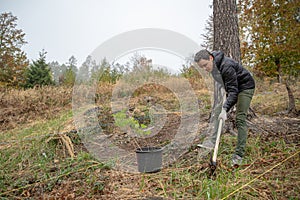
(202, 54)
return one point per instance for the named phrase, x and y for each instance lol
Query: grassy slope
(35, 163)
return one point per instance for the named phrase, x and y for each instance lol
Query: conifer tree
(38, 73)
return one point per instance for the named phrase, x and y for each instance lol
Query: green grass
(30, 162)
(28, 159)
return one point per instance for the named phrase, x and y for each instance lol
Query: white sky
(76, 27)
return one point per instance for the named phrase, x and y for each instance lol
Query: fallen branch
(65, 140)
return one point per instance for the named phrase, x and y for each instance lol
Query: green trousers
(242, 107)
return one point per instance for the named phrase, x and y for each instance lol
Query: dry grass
(272, 98)
(19, 107)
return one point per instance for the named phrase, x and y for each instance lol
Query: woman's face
(206, 64)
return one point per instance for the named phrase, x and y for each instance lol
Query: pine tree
(226, 29)
(38, 73)
(208, 36)
(226, 39)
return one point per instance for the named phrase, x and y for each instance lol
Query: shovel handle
(214, 158)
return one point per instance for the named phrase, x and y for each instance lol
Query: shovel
(213, 160)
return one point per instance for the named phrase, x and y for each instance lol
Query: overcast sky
(76, 27)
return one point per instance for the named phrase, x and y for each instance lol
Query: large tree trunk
(226, 39)
(226, 30)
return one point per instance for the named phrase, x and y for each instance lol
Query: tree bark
(226, 30)
(226, 37)
(292, 105)
(277, 62)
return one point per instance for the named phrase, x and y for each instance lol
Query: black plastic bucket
(149, 159)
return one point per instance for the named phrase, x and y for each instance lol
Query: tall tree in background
(102, 72)
(226, 31)
(84, 71)
(57, 70)
(271, 33)
(208, 36)
(39, 73)
(63, 70)
(72, 64)
(71, 71)
(13, 60)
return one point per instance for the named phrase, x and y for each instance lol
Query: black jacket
(234, 78)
